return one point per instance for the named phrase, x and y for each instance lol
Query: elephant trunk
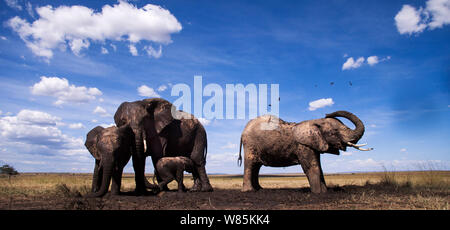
(107, 166)
(358, 132)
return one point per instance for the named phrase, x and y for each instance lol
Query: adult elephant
(158, 134)
(270, 141)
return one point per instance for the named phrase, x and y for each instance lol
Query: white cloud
(345, 153)
(204, 121)
(78, 25)
(229, 145)
(146, 91)
(76, 126)
(372, 60)
(76, 45)
(101, 111)
(410, 20)
(440, 13)
(13, 4)
(36, 129)
(3, 38)
(152, 52)
(114, 47)
(162, 88)
(133, 50)
(104, 50)
(403, 150)
(65, 93)
(30, 10)
(351, 64)
(313, 105)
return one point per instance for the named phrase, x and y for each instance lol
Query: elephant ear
(91, 141)
(161, 111)
(311, 135)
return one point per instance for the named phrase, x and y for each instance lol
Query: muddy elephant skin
(112, 148)
(270, 141)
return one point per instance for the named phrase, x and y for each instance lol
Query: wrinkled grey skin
(151, 120)
(112, 148)
(172, 168)
(295, 143)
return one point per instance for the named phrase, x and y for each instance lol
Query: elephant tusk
(358, 146)
(145, 146)
(362, 149)
(355, 145)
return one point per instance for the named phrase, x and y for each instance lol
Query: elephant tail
(205, 151)
(240, 156)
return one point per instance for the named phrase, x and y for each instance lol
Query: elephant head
(111, 147)
(330, 134)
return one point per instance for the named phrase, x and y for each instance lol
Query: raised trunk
(359, 126)
(107, 168)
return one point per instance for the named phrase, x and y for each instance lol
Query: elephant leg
(197, 183)
(179, 179)
(313, 170)
(117, 181)
(255, 179)
(251, 171)
(139, 171)
(96, 183)
(205, 185)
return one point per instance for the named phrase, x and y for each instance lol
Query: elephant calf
(112, 148)
(172, 168)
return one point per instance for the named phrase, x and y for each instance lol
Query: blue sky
(385, 61)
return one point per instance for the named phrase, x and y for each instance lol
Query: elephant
(172, 168)
(270, 141)
(158, 134)
(112, 149)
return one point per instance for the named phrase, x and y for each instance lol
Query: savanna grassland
(383, 190)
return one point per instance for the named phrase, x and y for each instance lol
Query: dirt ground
(418, 190)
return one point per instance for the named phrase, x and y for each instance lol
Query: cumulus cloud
(63, 91)
(101, 111)
(146, 91)
(152, 52)
(77, 26)
(133, 50)
(76, 126)
(36, 129)
(317, 104)
(371, 60)
(352, 64)
(162, 88)
(13, 4)
(410, 20)
(104, 50)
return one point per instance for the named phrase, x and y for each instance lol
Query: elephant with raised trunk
(157, 134)
(270, 141)
(112, 148)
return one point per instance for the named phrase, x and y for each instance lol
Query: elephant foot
(207, 188)
(197, 187)
(249, 189)
(140, 192)
(322, 190)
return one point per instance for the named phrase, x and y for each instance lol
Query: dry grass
(383, 190)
